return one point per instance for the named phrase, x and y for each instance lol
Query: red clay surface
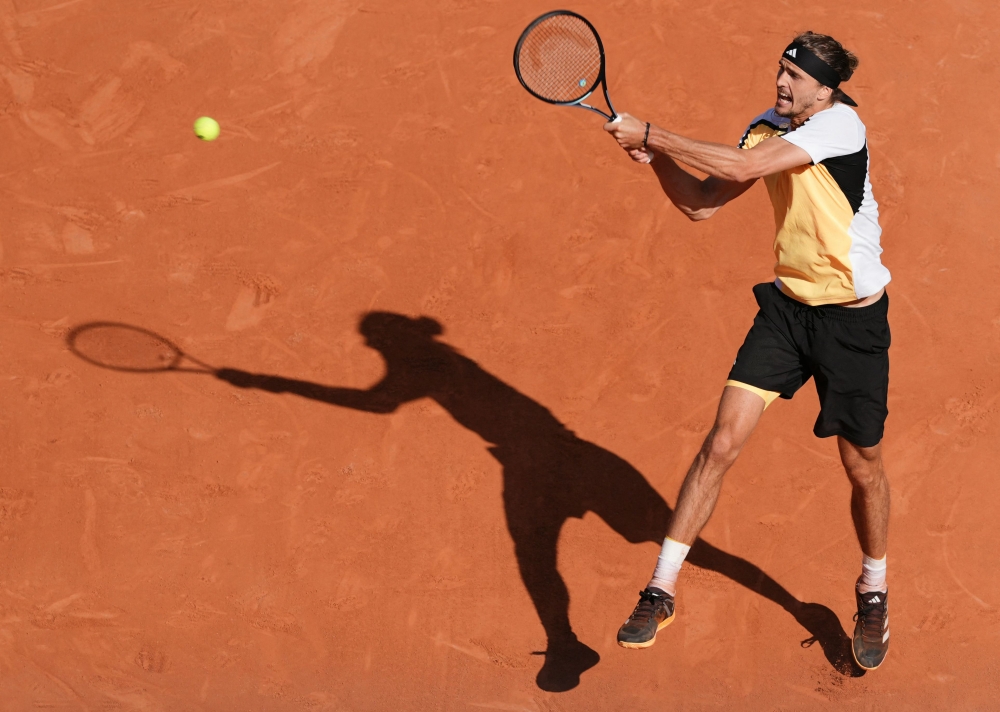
(172, 542)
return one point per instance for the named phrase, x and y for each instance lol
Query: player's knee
(722, 445)
(865, 473)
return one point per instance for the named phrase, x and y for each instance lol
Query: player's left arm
(716, 159)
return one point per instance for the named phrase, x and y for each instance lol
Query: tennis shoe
(871, 629)
(653, 612)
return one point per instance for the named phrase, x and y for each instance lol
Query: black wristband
(646, 137)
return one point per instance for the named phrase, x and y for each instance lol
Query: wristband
(646, 137)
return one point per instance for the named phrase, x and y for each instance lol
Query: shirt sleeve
(758, 120)
(828, 134)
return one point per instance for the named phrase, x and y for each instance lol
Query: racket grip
(617, 119)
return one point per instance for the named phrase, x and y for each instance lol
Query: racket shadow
(128, 348)
(549, 475)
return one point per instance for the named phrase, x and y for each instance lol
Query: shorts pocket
(865, 338)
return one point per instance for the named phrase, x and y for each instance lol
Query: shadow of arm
(374, 400)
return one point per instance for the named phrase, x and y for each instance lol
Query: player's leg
(851, 351)
(870, 512)
(869, 496)
(739, 411)
(536, 537)
(768, 364)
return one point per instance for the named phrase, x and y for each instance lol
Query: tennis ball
(206, 128)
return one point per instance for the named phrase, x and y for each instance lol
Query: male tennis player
(824, 316)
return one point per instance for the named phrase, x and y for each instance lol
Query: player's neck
(800, 119)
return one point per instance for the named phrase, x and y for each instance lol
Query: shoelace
(646, 605)
(872, 615)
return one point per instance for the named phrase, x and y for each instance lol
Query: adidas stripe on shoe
(871, 630)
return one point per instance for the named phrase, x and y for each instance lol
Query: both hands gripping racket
(559, 59)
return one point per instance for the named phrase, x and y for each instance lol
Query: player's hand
(628, 132)
(641, 155)
(245, 379)
(240, 379)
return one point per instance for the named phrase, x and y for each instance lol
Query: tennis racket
(559, 59)
(122, 347)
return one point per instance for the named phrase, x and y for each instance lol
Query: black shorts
(845, 349)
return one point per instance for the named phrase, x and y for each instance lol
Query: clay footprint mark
(152, 660)
(252, 302)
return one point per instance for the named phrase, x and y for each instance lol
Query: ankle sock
(872, 575)
(668, 566)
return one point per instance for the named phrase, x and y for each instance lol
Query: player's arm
(728, 162)
(725, 163)
(696, 198)
(377, 399)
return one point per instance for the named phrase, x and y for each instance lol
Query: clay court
(171, 541)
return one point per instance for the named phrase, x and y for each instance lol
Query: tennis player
(824, 316)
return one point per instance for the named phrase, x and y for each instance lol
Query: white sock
(668, 566)
(872, 575)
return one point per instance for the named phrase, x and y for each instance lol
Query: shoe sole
(637, 646)
(858, 662)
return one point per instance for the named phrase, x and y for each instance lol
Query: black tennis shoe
(654, 611)
(871, 631)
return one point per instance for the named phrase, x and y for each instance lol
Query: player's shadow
(549, 475)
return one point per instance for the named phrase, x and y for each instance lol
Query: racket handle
(617, 119)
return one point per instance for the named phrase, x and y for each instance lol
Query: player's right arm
(380, 398)
(698, 199)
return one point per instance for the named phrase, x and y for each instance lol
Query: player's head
(809, 75)
(385, 329)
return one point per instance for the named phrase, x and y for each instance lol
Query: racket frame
(601, 76)
(174, 365)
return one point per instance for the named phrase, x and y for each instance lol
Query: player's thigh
(739, 412)
(852, 381)
(769, 360)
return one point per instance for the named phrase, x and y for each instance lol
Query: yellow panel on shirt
(827, 233)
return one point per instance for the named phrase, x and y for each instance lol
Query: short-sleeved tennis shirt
(826, 218)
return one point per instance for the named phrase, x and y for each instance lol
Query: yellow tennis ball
(206, 128)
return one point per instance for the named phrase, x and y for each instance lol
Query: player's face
(797, 91)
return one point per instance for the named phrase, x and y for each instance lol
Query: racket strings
(125, 348)
(560, 59)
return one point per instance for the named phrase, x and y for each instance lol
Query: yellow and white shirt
(826, 219)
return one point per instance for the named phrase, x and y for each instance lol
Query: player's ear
(824, 93)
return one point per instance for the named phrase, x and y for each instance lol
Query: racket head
(123, 347)
(559, 58)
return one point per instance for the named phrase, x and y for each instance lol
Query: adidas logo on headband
(791, 52)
